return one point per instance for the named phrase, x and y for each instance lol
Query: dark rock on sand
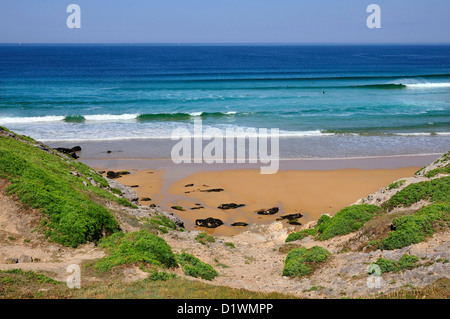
(239, 224)
(208, 222)
(145, 199)
(230, 206)
(290, 216)
(68, 150)
(212, 190)
(134, 186)
(197, 207)
(294, 222)
(189, 185)
(178, 208)
(152, 205)
(269, 211)
(112, 174)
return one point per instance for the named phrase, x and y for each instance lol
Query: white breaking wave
(427, 85)
(35, 119)
(110, 117)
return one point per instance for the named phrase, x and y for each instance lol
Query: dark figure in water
(323, 92)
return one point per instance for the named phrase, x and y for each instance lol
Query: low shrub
(412, 229)
(301, 234)
(436, 190)
(388, 265)
(301, 261)
(347, 220)
(136, 247)
(192, 266)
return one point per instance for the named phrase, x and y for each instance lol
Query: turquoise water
(353, 100)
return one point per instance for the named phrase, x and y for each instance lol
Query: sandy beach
(309, 192)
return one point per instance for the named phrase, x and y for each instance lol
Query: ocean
(328, 101)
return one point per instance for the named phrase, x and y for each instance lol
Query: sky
(225, 21)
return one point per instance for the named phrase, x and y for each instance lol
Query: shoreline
(311, 190)
(311, 187)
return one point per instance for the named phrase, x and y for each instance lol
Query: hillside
(56, 211)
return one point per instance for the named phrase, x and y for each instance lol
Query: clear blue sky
(225, 21)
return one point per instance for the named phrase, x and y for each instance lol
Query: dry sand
(309, 192)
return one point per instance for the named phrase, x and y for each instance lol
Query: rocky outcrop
(230, 206)
(268, 211)
(113, 175)
(209, 222)
(242, 224)
(69, 151)
(127, 192)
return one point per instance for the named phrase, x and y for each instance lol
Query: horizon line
(221, 43)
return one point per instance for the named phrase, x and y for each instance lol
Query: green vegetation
(203, 237)
(301, 234)
(136, 247)
(162, 285)
(436, 171)
(436, 190)
(162, 223)
(178, 208)
(437, 290)
(193, 267)
(412, 229)
(42, 180)
(396, 184)
(29, 275)
(301, 261)
(405, 262)
(230, 244)
(156, 275)
(347, 220)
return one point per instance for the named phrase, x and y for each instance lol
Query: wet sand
(309, 192)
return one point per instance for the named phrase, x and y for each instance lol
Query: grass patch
(162, 223)
(204, 238)
(43, 180)
(301, 261)
(194, 267)
(157, 275)
(347, 220)
(301, 234)
(436, 171)
(136, 247)
(396, 184)
(389, 265)
(436, 190)
(437, 290)
(412, 229)
(230, 244)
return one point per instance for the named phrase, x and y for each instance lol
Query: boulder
(290, 216)
(239, 224)
(269, 211)
(11, 260)
(112, 174)
(230, 206)
(189, 185)
(25, 259)
(209, 222)
(212, 190)
(145, 199)
(68, 151)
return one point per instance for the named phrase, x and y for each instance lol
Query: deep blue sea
(337, 100)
